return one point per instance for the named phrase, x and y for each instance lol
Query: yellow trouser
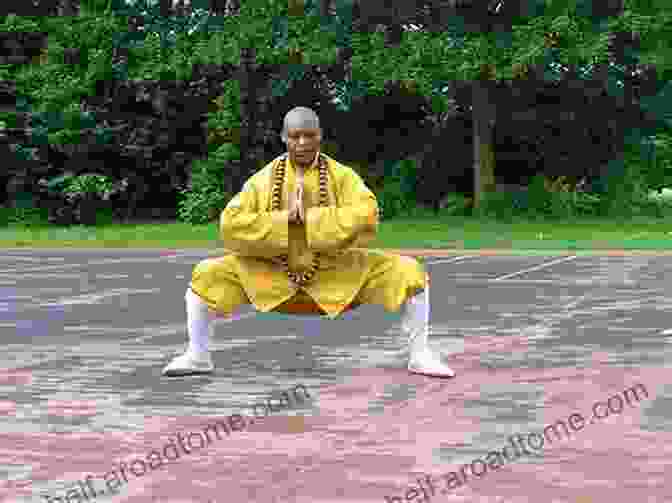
(388, 276)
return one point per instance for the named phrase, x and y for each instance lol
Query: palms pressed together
(296, 204)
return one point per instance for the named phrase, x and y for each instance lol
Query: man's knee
(201, 268)
(412, 262)
(191, 296)
(414, 274)
(217, 279)
(199, 303)
(410, 266)
(211, 270)
(208, 264)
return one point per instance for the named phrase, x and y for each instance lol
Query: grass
(422, 231)
(163, 235)
(436, 233)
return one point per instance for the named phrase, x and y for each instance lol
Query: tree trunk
(165, 7)
(296, 7)
(67, 8)
(232, 7)
(325, 8)
(484, 153)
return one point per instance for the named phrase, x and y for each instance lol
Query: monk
(298, 232)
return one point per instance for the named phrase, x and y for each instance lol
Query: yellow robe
(257, 236)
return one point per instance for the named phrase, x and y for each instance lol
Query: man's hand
(300, 202)
(296, 205)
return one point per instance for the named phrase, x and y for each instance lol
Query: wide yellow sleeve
(354, 224)
(249, 232)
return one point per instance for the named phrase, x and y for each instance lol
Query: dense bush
(397, 196)
(22, 216)
(455, 204)
(623, 197)
(207, 193)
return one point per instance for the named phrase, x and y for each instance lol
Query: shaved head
(299, 118)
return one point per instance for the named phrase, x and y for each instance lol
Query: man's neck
(301, 169)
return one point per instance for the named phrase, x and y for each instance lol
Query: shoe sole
(430, 374)
(186, 373)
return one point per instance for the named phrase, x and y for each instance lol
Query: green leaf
(59, 180)
(660, 105)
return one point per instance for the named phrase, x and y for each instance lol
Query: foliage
(586, 204)
(57, 184)
(71, 198)
(168, 48)
(54, 85)
(224, 122)
(551, 199)
(662, 176)
(626, 188)
(397, 195)
(172, 45)
(544, 199)
(455, 204)
(89, 184)
(207, 195)
(497, 205)
(23, 216)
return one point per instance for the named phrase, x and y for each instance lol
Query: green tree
(479, 43)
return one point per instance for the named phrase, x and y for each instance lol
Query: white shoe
(415, 323)
(426, 362)
(189, 363)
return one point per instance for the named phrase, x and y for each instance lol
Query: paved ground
(533, 339)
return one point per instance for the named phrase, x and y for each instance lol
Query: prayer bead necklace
(279, 179)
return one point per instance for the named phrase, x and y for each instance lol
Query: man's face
(303, 144)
